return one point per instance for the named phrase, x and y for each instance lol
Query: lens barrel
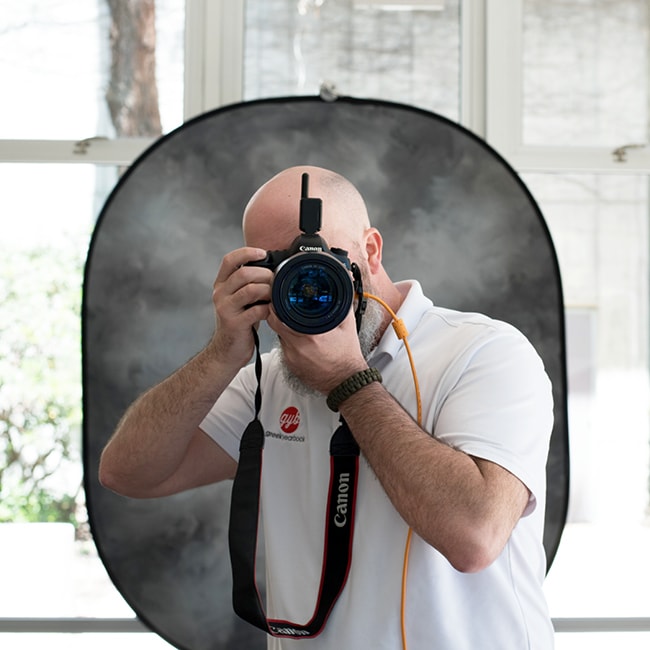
(312, 292)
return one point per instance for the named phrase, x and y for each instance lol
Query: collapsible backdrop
(453, 214)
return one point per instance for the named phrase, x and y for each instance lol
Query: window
(55, 64)
(56, 57)
(579, 99)
(362, 49)
(48, 215)
(599, 99)
(600, 227)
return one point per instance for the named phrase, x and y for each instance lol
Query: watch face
(453, 215)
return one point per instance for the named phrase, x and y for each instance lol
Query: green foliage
(39, 506)
(40, 383)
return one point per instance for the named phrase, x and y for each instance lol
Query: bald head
(272, 216)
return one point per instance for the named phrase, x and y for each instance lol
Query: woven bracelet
(351, 385)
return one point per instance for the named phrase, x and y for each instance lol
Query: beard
(369, 333)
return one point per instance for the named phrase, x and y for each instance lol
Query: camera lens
(312, 292)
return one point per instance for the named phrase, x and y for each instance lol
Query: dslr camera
(312, 289)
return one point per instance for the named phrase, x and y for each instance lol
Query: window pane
(409, 56)
(55, 61)
(49, 565)
(600, 228)
(585, 72)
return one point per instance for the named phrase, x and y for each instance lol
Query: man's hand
(321, 361)
(237, 294)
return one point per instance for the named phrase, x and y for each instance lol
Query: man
(469, 482)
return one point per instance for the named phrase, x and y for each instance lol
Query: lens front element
(312, 292)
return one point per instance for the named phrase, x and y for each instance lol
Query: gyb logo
(290, 419)
(289, 422)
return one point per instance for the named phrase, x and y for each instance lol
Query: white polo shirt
(484, 392)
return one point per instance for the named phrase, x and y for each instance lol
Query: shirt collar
(410, 312)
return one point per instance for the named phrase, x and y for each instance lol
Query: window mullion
(473, 66)
(194, 74)
(504, 75)
(214, 38)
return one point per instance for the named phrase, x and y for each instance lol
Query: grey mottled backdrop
(453, 214)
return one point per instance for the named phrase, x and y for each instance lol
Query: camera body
(303, 244)
(313, 288)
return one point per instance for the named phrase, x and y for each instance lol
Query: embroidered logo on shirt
(289, 422)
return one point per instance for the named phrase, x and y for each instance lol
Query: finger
(256, 312)
(243, 287)
(243, 276)
(251, 294)
(237, 258)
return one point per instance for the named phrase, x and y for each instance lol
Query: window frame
(504, 112)
(212, 78)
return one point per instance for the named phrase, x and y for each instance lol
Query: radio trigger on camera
(310, 209)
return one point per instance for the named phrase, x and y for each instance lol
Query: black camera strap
(244, 521)
(362, 302)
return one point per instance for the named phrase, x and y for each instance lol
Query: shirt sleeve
(231, 413)
(500, 409)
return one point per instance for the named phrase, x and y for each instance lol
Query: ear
(374, 247)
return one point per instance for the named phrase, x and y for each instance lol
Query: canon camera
(312, 289)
